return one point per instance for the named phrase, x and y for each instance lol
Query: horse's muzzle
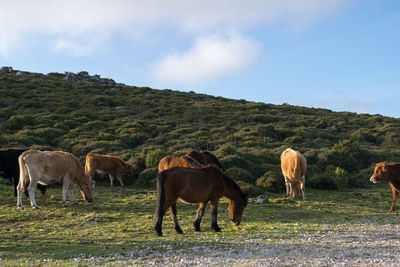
(372, 179)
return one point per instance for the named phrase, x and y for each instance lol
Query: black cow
(9, 167)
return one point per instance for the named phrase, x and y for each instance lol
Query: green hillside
(142, 124)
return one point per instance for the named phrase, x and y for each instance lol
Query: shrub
(272, 182)
(240, 174)
(250, 189)
(147, 178)
(322, 181)
(153, 157)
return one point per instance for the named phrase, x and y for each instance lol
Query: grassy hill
(143, 124)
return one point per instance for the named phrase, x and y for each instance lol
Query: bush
(147, 178)
(240, 174)
(250, 189)
(322, 181)
(153, 157)
(272, 182)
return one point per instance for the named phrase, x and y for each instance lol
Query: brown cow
(388, 172)
(111, 165)
(48, 167)
(294, 166)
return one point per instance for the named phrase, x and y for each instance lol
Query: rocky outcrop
(6, 69)
(84, 76)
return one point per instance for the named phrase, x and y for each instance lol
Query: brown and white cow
(112, 165)
(388, 172)
(49, 167)
(293, 166)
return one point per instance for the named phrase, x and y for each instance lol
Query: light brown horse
(205, 158)
(207, 184)
(171, 161)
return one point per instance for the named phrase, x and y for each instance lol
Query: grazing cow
(171, 161)
(9, 167)
(388, 172)
(294, 166)
(48, 167)
(111, 165)
(205, 158)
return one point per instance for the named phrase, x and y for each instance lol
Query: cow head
(87, 190)
(381, 172)
(296, 186)
(129, 169)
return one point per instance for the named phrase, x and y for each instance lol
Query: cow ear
(384, 167)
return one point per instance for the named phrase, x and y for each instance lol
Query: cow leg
(175, 218)
(31, 192)
(71, 190)
(214, 213)
(395, 197)
(65, 189)
(200, 213)
(303, 188)
(111, 179)
(19, 196)
(119, 177)
(287, 187)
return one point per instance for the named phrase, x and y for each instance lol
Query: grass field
(120, 224)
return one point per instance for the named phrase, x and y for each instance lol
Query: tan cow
(111, 165)
(294, 166)
(388, 172)
(49, 167)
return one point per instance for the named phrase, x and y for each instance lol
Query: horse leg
(214, 213)
(200, 213)
(111, 180)
(175, 218)
(159, 217)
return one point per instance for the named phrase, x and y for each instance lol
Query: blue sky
(342, 55)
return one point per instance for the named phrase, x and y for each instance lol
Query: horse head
(236, 207)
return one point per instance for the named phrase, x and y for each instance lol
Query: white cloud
(23, 19)
(209, 58)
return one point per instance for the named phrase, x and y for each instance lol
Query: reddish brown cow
(113, 166)
(388, 172)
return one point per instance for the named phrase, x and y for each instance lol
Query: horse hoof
(217, 229)
(159, 233)
(20, 207)
(35, 207)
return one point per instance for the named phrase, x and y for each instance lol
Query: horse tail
(23, 172)
(160, 194)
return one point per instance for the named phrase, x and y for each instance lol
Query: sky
(342, 55)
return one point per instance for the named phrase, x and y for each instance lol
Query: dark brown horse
(171, 161)
(205, 158)
(197, 186)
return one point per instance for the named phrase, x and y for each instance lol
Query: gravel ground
(355, 244)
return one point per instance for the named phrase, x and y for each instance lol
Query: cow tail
(160, 194)
(23, 172)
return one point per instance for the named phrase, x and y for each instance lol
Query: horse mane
(227, 179)
(193, 162)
